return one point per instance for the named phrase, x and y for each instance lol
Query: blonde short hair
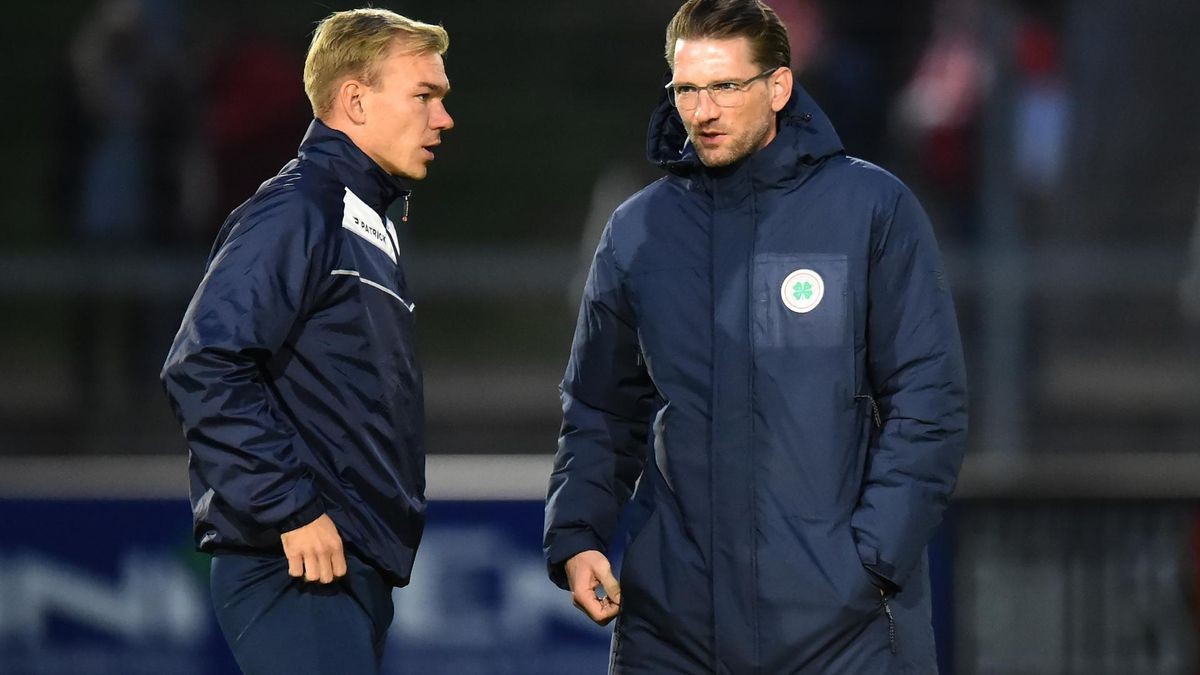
(354, 43)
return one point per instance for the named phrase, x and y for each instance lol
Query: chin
(717, 160)
(411, 173)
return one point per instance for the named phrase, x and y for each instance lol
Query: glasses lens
(726, 97)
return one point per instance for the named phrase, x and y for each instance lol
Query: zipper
(887, 609)
(393, 238)
(391, 231)
(874, 409)
(891, 622)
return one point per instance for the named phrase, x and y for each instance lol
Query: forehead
(408, 69)
(706, 60)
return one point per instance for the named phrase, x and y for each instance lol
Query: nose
(441, 119)
(706, 110)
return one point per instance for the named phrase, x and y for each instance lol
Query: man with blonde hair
(294, 374)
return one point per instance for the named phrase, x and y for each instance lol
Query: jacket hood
(804, 136)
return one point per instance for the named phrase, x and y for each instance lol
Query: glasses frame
(740, 87)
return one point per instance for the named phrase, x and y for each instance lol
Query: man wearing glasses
(767, 350)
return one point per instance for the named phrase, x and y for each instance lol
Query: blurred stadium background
(1056, 143)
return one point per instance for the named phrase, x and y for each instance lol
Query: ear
(349, 100)
(781, 88)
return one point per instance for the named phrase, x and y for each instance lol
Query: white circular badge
(802, 291)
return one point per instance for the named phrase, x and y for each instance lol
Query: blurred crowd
(168, 124)
(1054, 143)
(163, 135)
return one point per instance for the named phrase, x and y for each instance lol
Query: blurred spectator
(114, 70)
(256, 109)
(852, 57)
(132, 113)
(1042, 112)
(939, 113)
(806, 26)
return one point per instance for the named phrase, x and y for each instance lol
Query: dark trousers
(277, 624)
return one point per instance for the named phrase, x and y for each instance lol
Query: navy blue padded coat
(769, 352)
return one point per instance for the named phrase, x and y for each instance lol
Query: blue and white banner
(92, 587)
(98, 575)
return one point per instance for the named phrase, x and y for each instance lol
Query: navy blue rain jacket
(777, 339)
(294, 374)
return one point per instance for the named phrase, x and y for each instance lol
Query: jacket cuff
(567, 547)
(307, 513)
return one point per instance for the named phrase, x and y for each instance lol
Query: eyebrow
(673, 83)
(435, 88)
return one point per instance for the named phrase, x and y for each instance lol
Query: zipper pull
(404, 215)
(874, 409)
(891, 625)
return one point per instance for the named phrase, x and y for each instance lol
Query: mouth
(428, 150)
(710, 138)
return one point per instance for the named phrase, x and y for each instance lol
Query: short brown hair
(729, 19)
(353, 43)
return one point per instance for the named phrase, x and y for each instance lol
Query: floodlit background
(1055, 143)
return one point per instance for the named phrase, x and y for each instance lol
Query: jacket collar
(804, 137)
(333, 151)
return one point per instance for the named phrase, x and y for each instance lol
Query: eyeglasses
(723, 94)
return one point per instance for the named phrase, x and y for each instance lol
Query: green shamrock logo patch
(802, 291)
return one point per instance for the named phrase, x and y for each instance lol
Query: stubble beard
(738, 149)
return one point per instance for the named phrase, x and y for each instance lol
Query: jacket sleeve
(607, 400)
(257, 285)
(915, 369)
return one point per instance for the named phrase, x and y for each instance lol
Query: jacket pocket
(804, 383)
(863, 593)
(801, 302)
(877, 602)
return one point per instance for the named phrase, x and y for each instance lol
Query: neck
(356, 135)
(772, 131)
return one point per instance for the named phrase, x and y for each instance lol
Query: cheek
(413, 123)
(747, 125)
(400, 117)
